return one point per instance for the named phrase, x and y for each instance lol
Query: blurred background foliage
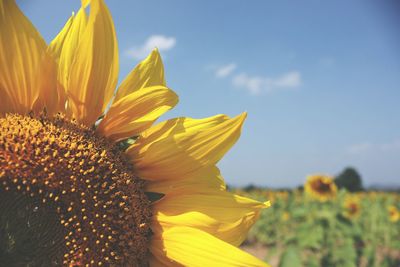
(356, 228)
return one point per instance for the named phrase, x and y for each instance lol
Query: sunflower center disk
(68, 196)
(353, 208)
(322, 187)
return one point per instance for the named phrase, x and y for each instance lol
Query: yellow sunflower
(320, 187)
(71, 193)
(285, 216)
(352, 207)
(394, 213)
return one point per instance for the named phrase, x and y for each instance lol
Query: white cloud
(162, 42)
(224, 71)
(287, 80)
(359, 148)
(258, 84)
(395, 145)
(253, 84)
(368, 147)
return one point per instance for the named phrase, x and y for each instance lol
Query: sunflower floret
(86, 180)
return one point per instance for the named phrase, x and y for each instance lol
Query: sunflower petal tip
(85, 3)
(266, 204)
(239, 119)
(175, 96)
(155, 53)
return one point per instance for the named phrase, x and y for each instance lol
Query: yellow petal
(155, 262)
(149, 72)
(7, 103)
(136, 112)
(51, 95)
(85, 3)
(63, 48)
(176, 126)
(22, 51)
(222, 214)
(181, 146)
(57, 44)
(204, 180)
(195, 248)
(93, 73)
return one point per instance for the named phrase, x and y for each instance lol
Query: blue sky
(320, 80)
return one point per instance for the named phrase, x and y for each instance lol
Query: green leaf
(290, 258)
(153, 196)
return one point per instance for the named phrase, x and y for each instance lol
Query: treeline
(348, 179)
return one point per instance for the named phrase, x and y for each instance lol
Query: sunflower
(85, 176)
(394, 213)
(320, 187)
(285, 216)
(352, 207)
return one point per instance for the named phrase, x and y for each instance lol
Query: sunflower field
(350, 229)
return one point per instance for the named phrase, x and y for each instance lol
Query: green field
(352, 229)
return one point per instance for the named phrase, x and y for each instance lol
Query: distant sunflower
(320, 187)
(285, 216)
(73, 191)
(352, 207)
(394, 213)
